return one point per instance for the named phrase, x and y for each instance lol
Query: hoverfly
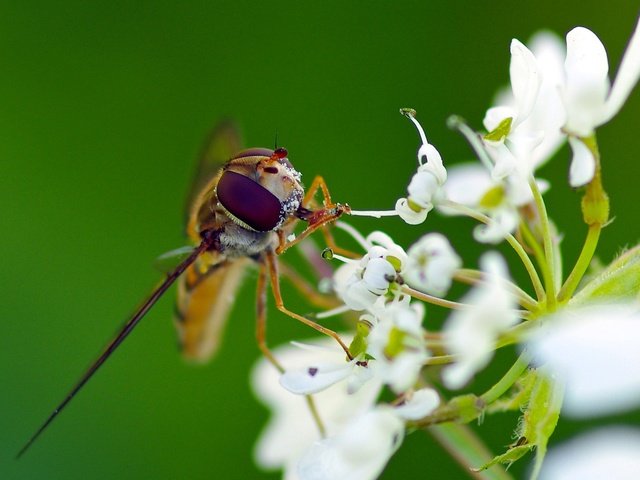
(241, 211)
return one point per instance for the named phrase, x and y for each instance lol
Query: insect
(241, 211)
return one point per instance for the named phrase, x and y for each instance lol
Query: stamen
(333, 312)
(356, 235)
(410, 113)
(454, 122)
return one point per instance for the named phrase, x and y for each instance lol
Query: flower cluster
(576, 338)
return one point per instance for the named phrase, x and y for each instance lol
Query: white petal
(291, 428)
(525, 79)
(626, 78)
(377, 274)
(466, 184)
(583, 165)
(496, 115)
(548, 114)
(360, 452)
(609, 453)
(470, 333)
(422, 188)
(505, 162)
(587, 84)
(409, 215)
(503, 222)
(315, 378)
(595, 351)
(431, 264)
(358, 296)
(419, 405)
(434, 162)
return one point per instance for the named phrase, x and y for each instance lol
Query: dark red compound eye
(249, 201)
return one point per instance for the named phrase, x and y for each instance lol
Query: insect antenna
(128, 327)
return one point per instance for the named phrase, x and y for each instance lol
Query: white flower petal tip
(583, 164)
(626, 77)
(360, 452)
(431, 264)
(525, 79)
(589, 101)
(420, 404)
(594, 351)
(612, 453)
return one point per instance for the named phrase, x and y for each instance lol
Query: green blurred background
(103, 109)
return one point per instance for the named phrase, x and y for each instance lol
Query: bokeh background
(104, 106)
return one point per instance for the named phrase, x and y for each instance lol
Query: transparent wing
(204, 303)
(166, 262)
(223, 142)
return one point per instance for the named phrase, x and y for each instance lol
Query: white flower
(431, 263)
(365, 445)
(612, 452)
(588, 99)
(424, 190)
(471, 184)
(397, 345)
(594, 350)
(319, 376)
(291, 429)
(418, 404)
(359, 452)
(361, 284)
(525, 128)
(470, 334)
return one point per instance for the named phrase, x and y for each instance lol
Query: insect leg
(272, 265)
(306, 289)
(261, 334)
(261, 317)
(318, 184)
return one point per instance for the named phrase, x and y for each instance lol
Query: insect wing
(223, 142)
(203, 306)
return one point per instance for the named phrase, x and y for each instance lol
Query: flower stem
(433, 300)
(464, 445)
(528, 264)
(509, 378)
(584, 260)
(537, 252)
(548, 243)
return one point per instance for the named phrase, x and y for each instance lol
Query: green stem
(433, 300)
(537, 252)
(462, 443)
(509, 378)
(584, 260)
(548, 243)
(528, 264)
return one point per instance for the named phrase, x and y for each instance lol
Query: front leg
(315, 218)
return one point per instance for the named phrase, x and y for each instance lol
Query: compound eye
(248, 201)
